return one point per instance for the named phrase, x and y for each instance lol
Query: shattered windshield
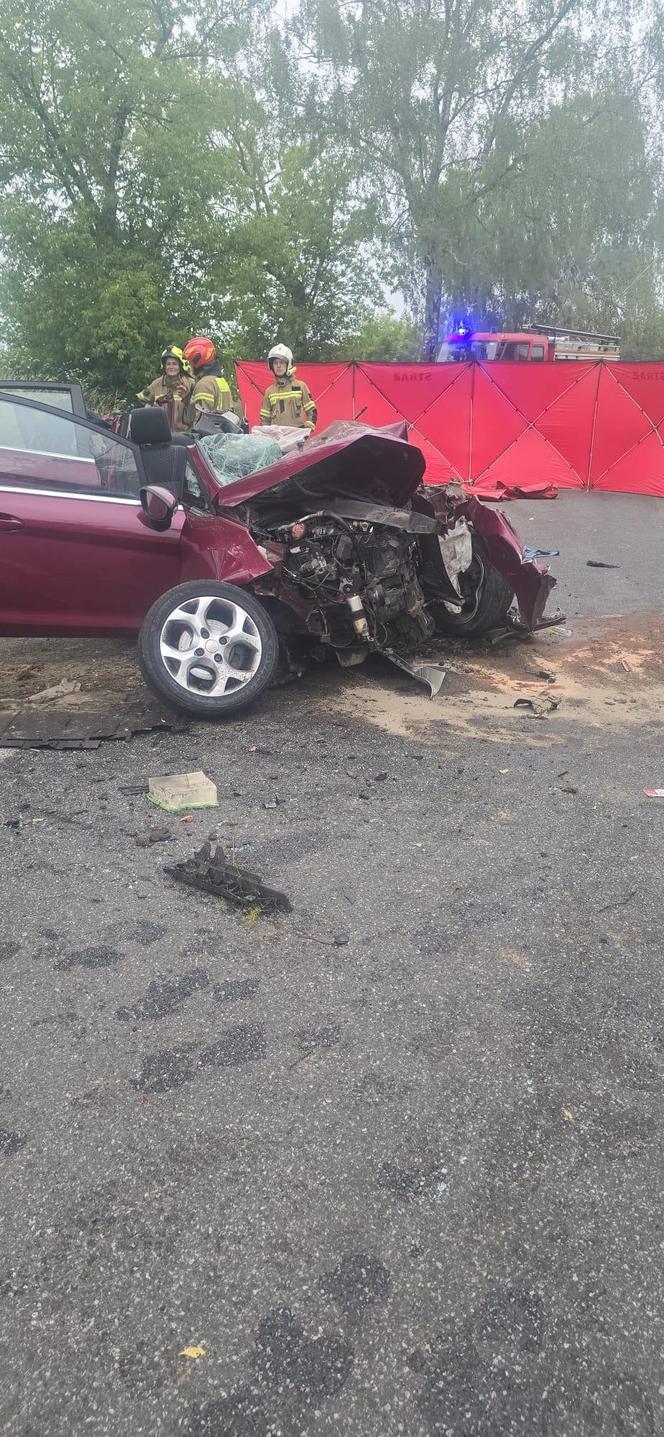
(234, 456)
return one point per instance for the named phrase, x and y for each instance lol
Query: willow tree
(443, 99)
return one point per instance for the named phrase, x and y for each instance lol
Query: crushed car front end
(367, 557)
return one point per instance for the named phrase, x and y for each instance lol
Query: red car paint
(78, 558)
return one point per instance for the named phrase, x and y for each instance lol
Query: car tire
(208, 649)
(490, 609)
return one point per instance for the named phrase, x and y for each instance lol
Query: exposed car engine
(362, 577)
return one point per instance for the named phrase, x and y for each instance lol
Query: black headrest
(150, 426)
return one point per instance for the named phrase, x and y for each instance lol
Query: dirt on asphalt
(601, 674)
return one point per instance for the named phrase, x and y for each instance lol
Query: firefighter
(287, 401)
(211, 393)
(172, 388)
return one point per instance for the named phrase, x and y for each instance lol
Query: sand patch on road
(607, 674)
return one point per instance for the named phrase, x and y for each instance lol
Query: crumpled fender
(532, 583)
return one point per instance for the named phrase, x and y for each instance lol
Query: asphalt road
(408, 1183)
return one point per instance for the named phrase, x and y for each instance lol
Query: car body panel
(81, 564)
(217, 547)
(348, 459)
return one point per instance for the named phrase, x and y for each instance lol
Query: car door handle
(10, 522)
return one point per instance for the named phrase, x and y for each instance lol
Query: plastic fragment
(192, 1352)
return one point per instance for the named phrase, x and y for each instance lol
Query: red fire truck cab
(541, 345)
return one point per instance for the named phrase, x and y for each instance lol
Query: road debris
(599, 564)
(545, 674)
(153, 835)
(58, 691)
(192, 1352)
(654, 792)
(431, 675)
(211, 872)
(176, 791)
(338, 941)
(540, 707)
(619, 902)
(74, 720)
(529, 553)
(499, 636)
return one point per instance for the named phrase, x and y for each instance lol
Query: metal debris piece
(598, 564)
(431, 675)
(211, 872)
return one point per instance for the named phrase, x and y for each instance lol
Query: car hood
(348, 460)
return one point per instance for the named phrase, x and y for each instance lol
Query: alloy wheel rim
(210, 646)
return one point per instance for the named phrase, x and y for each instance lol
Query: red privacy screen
(503, 427)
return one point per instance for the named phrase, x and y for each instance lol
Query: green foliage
(203, 168)
(155, 186)
(510, 148)
(384, 338)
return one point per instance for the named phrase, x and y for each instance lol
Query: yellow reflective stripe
(212, 397)
(285, 394)
(265, 414)
(310, 404)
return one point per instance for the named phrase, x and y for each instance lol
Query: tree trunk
(433, 295)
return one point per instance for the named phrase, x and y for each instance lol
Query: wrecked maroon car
(335, 547)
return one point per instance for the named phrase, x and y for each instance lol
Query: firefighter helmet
(174, 352)
(199, 351)
(281, 351)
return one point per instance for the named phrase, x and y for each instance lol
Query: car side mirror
(158, 506)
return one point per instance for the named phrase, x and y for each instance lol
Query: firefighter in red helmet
(211, 393)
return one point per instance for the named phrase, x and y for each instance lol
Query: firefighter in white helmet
(288, 400)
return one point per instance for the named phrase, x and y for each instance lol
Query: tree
(384, 338)
(446, 101)
(155, 185)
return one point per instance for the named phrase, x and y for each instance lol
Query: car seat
(164, 462)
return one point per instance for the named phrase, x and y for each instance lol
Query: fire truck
(542, 344)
